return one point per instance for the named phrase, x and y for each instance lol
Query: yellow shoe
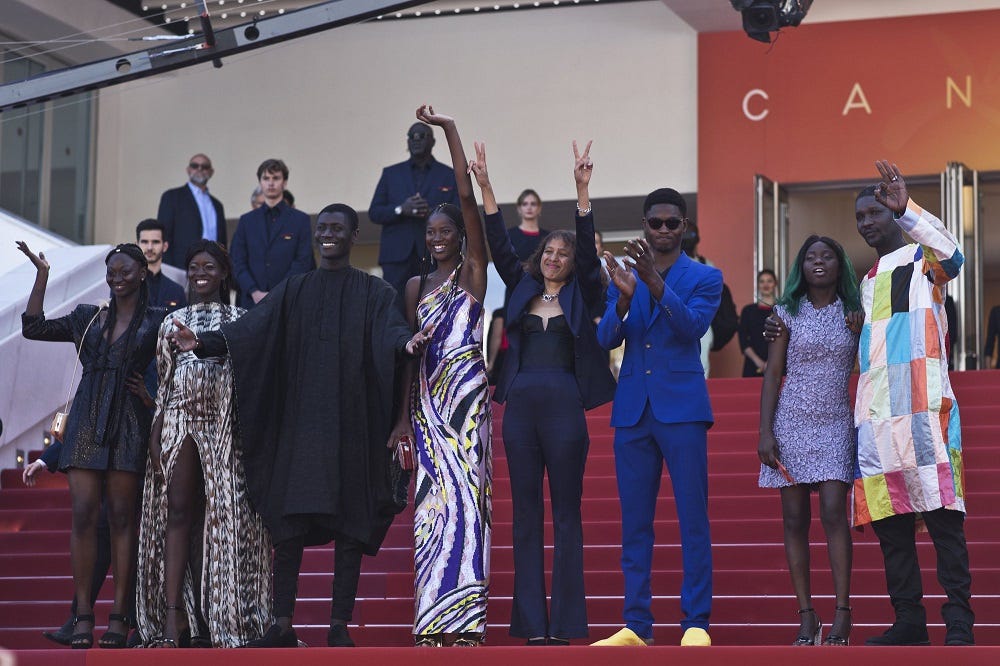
(696, 636)
(625, 637)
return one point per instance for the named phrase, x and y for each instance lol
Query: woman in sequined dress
(806, 431)
(104, 448)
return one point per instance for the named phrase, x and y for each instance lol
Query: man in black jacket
(190, 213)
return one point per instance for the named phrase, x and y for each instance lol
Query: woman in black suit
(553, 371)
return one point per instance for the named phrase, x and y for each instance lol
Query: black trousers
(346, 574)
(897, 537)
(545, 430)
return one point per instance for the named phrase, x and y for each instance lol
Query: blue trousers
(545, 431)
(640, 451)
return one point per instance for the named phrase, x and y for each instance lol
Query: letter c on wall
(756, 117)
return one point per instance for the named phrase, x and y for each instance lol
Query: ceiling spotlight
(762, 17)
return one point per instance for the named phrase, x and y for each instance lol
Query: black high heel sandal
(114, 640)
(82, 640)
(814, 639)
(837, 639)
(469, 639)
(183, 637)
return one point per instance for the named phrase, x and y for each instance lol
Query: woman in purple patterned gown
(447, 416)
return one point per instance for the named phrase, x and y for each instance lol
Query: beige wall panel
(336, 107)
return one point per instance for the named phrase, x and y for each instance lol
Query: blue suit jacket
(662, 362)
(263, 257)
(594, 378)
(403, 236)
(179, 215)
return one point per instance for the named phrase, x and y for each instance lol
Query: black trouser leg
(287, 563)
(947, 531)
(897, 538)
(346, 574)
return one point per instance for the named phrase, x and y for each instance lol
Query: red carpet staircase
(753, 602)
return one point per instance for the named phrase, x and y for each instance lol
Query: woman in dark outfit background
(553, 371)
(751, 331)
(107, 432)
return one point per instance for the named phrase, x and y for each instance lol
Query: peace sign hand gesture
(477, 167)
(583, 167)
(37, 260)
(891, 192)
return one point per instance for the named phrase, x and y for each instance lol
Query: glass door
(960, 204)
(771, 228)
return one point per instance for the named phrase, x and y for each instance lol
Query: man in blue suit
(406, 194)
(272, 242)
(660, 304)
(189, 213)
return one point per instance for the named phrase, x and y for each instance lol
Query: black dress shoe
(902, 634)
(959, 633)
(273, 638)
(337, 636)
(63, 634)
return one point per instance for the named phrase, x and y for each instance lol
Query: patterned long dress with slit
(233, 555)
(451, 417)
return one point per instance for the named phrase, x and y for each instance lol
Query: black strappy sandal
(183, 637)
(837, 639)
(83, 640)
(114, 640)
(815, 638)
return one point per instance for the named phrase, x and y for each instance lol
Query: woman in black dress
(751, 331)
(104, 448)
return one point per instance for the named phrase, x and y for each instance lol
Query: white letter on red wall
(966, 98)
(857, 100)
(756, 117)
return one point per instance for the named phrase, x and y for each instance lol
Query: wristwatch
(398, 210)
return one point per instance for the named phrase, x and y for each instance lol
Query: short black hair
(272, 165)
(149, 224)
(866, 192)
(665, 195)
(343, 209)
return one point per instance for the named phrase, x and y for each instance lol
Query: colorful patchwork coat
(909, 433)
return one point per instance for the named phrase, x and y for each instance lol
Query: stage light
(762, 17)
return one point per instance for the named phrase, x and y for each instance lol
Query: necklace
(548, 298)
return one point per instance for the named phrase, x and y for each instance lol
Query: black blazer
(593, 376)
(181, 218)
(403, 236)
(263, 255)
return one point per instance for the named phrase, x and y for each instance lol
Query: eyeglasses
(672, 223)
(199, 165)
(416, 136)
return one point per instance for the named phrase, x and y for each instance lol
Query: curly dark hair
(533, 266)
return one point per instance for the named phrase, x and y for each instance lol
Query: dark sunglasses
(416, 136)
(672, 223)
(199, 165)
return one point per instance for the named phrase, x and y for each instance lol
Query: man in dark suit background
(189, 213)
(272, 242)
(406, 194)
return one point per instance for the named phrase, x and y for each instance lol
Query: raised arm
(37, 297)
(505, 259)
(942, 255)
(476, 256)
(588, 265)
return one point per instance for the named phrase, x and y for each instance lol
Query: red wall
(902, 66)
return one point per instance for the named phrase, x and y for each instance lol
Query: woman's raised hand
(583, 167)
(38, 260)
(426, 114)
(477, 167)
(891, 192)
